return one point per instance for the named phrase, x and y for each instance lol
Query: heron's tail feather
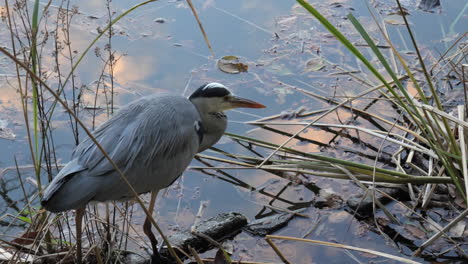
(68, 190)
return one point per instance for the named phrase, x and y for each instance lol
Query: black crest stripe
(210, 90)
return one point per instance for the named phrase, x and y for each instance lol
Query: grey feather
(151, 140)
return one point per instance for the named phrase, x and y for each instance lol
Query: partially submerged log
(219, 228)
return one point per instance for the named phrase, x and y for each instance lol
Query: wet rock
(363, 207)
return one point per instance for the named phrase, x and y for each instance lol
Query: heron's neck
(213, 121)
(214, 124)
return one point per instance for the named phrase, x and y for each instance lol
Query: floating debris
(429, 5)
(315, 64)
(160, 20)
(232, 64)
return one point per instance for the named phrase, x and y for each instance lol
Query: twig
(277, 251)
(207, 41)
(195, 255)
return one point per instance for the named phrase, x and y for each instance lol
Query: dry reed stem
(195, 255)
(442, 232)
(277, 251)
(336, 245)
(207, 41)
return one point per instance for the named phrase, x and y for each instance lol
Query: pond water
(159, 47)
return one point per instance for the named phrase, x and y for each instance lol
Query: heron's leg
(147, 226)
(78, 221)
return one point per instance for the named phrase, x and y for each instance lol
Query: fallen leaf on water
(232, 64)
(314, 65)
(395, 20)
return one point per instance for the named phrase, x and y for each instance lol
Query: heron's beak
(237, 102)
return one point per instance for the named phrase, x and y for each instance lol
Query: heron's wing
(151, 129)
(56, 197)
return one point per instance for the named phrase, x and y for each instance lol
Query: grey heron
(152, 141)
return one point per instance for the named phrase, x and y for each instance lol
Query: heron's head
(215, 97)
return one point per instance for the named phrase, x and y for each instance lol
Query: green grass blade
(35, 99)
(382, 60)
(332, 29)
(357, 166)
(450, 136)
(434, 140)
(416, 116)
